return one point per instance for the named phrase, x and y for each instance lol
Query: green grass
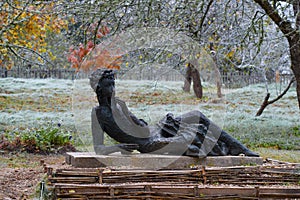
(292, 156)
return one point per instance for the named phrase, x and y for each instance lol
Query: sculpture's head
(106, 85)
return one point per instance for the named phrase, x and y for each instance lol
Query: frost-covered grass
(279, 125)
(27, 103)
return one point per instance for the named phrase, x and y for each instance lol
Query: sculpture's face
(108, 86)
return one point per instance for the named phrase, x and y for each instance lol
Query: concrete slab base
(152, 161)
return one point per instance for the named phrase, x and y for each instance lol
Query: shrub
(49, 139)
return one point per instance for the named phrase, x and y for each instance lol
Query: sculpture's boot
(236, 148)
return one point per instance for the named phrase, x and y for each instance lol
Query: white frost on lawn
(237, 114)
(14, 85)
(28, 118)
(39, 90)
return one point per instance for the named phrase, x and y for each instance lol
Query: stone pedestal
(151, 161)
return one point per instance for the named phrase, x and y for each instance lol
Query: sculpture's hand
(127, 148)
(154, 145)
(123, 148)
(195, 151)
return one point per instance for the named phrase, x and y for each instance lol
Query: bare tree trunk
(197, 86)
(219, 84)
(192, 74)
(188, 79)
(292, 34)
(298, 89)
(295, 60)
(218, 76)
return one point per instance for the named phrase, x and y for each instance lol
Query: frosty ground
(28, 103)
(34, 103)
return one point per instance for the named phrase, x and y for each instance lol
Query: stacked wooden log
(243, 182)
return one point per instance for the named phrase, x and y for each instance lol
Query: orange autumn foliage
(90, 57)
(102, 59)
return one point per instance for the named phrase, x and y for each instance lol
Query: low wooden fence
(229, 79)
(171, 192)
(256, 182)
(38, 73)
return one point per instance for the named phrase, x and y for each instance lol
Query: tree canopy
(251, 35)
(24, 28)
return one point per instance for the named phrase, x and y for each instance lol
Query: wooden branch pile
(205, 183)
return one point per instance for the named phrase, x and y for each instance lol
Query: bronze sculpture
(191, 134)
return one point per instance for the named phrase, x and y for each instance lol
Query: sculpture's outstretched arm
(97, 132)
(123, 148)
(98, 140)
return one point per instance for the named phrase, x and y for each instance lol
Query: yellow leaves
(26, 26)
(29, 45)
(23, 15)
(40, 60)
(9, 64)
(5, 60)
(231, 53)
(52, 56)
(42, 50)
(3, 51)
(72, 20)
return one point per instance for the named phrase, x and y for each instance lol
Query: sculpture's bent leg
(234, 147)
(196, 125)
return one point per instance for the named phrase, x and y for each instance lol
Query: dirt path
(21, 174)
